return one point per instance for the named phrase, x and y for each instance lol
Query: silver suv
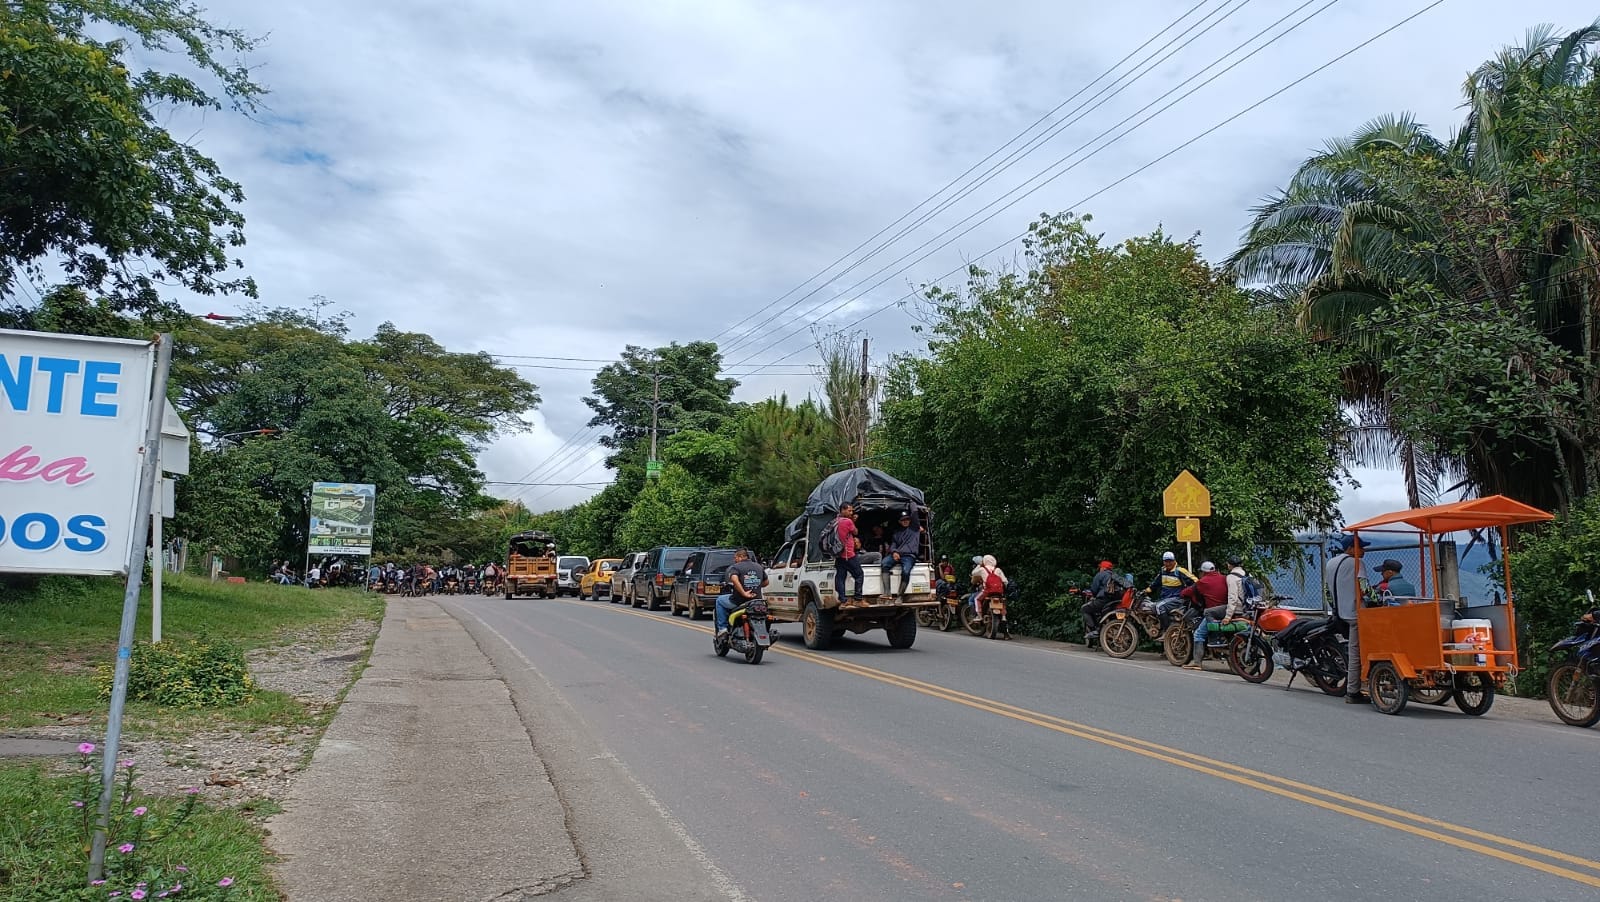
(622, 578)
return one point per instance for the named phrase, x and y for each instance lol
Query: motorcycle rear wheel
(1574, 695)
(753, 653)
(1250, 658)
(1178, 645)
(1119, 638)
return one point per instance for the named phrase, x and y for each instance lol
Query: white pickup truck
(801, 591)
(801, 586)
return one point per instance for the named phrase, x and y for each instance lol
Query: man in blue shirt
(902, 555)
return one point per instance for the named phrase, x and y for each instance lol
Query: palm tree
(1392, 209)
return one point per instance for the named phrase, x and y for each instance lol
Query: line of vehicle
(1328, 800)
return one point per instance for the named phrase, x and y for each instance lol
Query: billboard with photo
(341, 518)
(73, 415)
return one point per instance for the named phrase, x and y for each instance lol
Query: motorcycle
(1250, 653)
(995, 624)
(1574, 685)
(947, 613)
(1123, 627)
(450, 585)
(1316, 648)
(1177, 643)
(748, 632)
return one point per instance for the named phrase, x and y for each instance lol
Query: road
(969, 769)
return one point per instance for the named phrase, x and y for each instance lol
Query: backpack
(829, 542)
(992, 583)
(1251, 591)
(1116, 587)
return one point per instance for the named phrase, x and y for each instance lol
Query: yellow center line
(1328, 800)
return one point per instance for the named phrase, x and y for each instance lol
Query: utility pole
(861, 455)
(655, 411)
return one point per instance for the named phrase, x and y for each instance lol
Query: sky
(563, 179)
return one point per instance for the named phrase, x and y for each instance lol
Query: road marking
(1377, 813)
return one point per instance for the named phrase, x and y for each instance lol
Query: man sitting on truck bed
(902, 555)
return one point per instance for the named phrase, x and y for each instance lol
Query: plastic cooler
(1471, 634)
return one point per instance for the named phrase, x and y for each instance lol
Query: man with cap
(1340, 580)
(1210, 594)
(1169, 584)
(1105, 593)
(1393, 583)
(901, 555)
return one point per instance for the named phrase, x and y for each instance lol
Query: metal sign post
(149, 475)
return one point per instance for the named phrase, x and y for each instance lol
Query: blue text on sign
(91, 380)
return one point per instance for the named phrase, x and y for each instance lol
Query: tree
(783, 452)
(692, 396)
(1461, 275)
(850, 395)
(329, 409)
(92, 182)
(1057, 402)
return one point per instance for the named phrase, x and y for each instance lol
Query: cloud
(567, 178)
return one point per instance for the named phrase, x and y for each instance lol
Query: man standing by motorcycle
(745, 579)
(1339, 577)
(1105, 593)
(1210, 594)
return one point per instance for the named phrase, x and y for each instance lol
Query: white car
(569, 569)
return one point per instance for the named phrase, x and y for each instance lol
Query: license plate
(763, 640)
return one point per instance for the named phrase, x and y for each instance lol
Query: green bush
(1550, 573)
(186, 673)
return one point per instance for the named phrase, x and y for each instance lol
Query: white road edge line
(719, 878)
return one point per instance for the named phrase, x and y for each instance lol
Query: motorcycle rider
(947, 570)
(1105, 593)
(1210, 594)
(1339, 577)
(1169, 584)
(745, 579)
(991, 580)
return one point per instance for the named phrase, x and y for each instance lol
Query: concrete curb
(426, 785)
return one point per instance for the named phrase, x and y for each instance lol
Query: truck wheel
(816, 626)
(902, 632)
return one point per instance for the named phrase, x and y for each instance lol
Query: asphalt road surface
(970, 769)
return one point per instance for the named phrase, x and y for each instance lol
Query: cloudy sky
(561, 179)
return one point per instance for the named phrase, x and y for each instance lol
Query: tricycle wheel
(1250, 658)
(1432, 695)
(1119, 638)
(1389, 692)
(1178, 644)
(1574, 697)
(1474, 693)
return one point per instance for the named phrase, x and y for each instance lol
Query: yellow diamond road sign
(1188, 529)
(1186, 497)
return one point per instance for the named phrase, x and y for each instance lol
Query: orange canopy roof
(1495, 510)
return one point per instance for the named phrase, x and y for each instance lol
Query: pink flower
(139, 812)
(181, 869)
(126, 762)
(115, 893)
(86, 748)
(136, 894)
(77, 804)
(96, 882)
(226, 881)
(125, 848)
(191, 790)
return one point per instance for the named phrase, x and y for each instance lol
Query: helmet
(977, 559)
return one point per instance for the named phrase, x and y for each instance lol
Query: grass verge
(52, 638)
(43, 844)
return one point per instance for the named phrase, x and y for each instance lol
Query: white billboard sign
(73, 417)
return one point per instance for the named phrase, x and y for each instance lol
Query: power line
(1017, 194)
(930, 198)
(543, 484)
(1137, 171)
(1149, 64)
